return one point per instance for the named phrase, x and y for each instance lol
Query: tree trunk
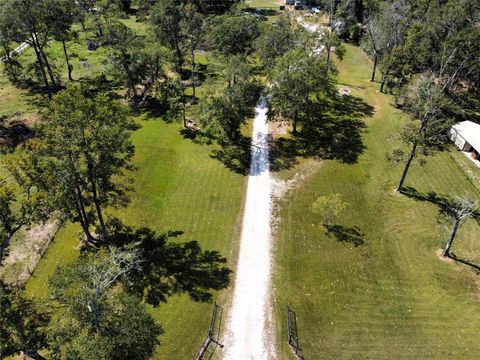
(456, 225)
(7, 53)
(67, 60)
(295, 123)
(40, 62)
(9, 60)
(79, 203)
(47, 63)
(330, 13)
(193, 77)
(384, 78)
(407, 167)
(49, 68)
(184, 112)
(375, 58)
(96, 200)
(178, 51)
(329, 49)
(157, 68)
(82, 214)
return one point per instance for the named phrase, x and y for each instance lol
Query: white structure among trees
(466, 135)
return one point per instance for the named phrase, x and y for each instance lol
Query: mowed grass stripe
(390, 298)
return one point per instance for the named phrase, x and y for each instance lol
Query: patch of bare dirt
(439, 254)
(25, 251)
(279, 127)
(344, 90)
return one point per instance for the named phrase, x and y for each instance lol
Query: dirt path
(248, 333)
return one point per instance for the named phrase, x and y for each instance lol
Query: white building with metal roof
(466, 135)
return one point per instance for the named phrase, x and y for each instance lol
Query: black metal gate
(212, 340)
(293, 333)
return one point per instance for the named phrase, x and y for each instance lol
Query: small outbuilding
(466, 135)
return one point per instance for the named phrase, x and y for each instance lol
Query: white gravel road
(248, 333)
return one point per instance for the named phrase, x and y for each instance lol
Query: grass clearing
(390, 297)
(177, 187)
(264, 4)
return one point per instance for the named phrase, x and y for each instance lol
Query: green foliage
(165, 18)
(129, 61)
(329, 208)
(22, 325)
(20, 205)
(225, 110)
(81, 156)
(233, 34)
(299, 77)
(99, 320)
(276, 39)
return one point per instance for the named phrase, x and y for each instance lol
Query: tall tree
(375, 41)
(329, 40)
(59, 18)
(94, 133)
(298, 77)
(192, 27)
(276, 39)
(226, 109)
(425, 104)
(127, 60)
(81, 157)
(30, 26)
(21, 202)
(165, 18)
(233, 34)
(386, 33)
(459, 211)
(99, 320)
(7, 38)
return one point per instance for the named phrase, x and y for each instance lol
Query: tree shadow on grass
(201, 71)
(445, 206)
(235, 157)
(351, 235)
(169, 267)
(13, 133)
(100, 84)
(331, 129)
(465, 262)
(153, 108)
(444, 203)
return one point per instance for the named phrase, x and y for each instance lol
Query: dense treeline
(426, 53)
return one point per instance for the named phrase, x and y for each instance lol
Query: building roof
(470, 131)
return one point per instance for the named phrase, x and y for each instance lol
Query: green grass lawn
(177, 187)
(391, 297)
(265, 4)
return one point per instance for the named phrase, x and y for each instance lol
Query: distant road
(19, 49)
